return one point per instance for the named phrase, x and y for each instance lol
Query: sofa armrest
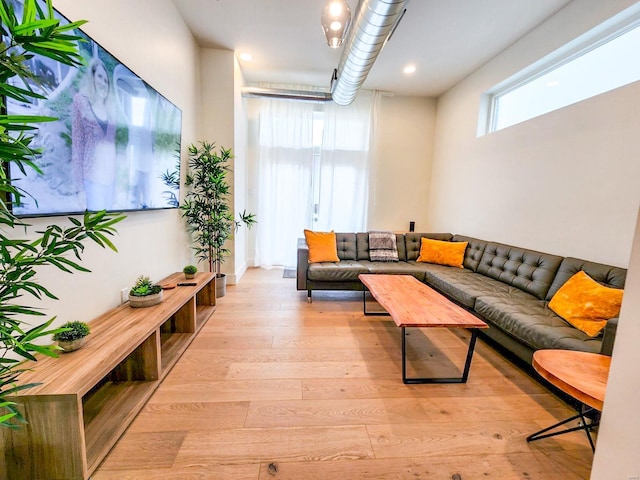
(303, 264)
(609, 336)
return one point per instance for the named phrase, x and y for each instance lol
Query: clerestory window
(603, 59)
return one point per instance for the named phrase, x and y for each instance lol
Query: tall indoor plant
(207, 207)
(36, 32)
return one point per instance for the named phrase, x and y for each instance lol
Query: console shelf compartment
(86, 399)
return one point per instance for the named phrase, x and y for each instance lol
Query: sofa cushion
(474, 251)
(531, 321)
(604, 274)
(586, 304)
(394, 268)
(322, 246)
(527, 270)
(345, 270)
(441, 252)
(346, 246)
(461, 284)
(413, 242)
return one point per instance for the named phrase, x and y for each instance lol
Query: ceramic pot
(221, 285)
(189, 276)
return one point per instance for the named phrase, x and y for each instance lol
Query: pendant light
(336, 17)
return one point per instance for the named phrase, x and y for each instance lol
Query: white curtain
(284, 179)
(344, 166)
(296, 190)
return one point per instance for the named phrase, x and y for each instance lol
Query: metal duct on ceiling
(305, 95)
(375, 21)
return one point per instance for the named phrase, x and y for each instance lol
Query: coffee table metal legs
(364, 306)
(584, 425)
(465, 371)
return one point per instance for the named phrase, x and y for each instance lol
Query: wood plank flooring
(275, 388)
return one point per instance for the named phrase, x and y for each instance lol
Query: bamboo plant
(207, 207)
(37, 31)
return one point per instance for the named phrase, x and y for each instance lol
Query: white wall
(401, 165)
(223, 120)
(564, 183)
(150, 38)
(240, 191)
(619, 434)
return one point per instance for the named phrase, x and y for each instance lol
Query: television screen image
(114, 139)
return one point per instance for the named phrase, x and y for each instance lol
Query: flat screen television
(114, 139)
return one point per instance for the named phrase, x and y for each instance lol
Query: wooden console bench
(87, 398)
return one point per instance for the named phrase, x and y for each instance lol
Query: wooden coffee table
(411, 303)
(582, 375)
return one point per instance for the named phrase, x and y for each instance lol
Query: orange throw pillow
(322, 246)
(441, 252)
(586, 304)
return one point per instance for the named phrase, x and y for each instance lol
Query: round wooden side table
(582, 375)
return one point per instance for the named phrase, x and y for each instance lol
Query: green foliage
(206, 207)
(144, 287)
(71, 331)
(190, 269)
(172, 180)
(36, 32)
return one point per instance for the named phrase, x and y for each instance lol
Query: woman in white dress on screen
(93, 135)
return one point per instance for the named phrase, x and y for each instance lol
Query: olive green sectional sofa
(507, 287)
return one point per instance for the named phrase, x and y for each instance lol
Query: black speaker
(412, 226)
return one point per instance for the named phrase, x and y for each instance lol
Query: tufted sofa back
(412, 241)
(474, 251)
(605, 274)
(527, 270)
(346, 243)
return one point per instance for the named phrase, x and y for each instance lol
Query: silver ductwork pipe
(305, 95)
(375, 21)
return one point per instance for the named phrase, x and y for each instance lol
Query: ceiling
(445, 39)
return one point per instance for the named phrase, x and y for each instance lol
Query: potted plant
(190, 271)
(72, 335)
(207, 207)
(144, 293)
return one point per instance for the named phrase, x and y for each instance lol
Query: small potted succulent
(72, 336)
(144, 293)
(190, 271)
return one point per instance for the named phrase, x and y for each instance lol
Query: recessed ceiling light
(247, 57)
(409, 69)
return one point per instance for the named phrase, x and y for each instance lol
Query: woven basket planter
(71, 345)
(146, 301)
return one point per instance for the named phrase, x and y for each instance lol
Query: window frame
(605, 32)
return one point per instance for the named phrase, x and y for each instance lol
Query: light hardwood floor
(275, 388)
